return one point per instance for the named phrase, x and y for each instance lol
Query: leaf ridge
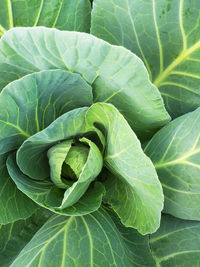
(179, 160)
(176, 254)
(181, 24)
(158, 37)
(138, 42)
(154, 239)
(184, 54)
(90, 240)
(15, 126)
(181, 86)
(10, 14)
(64, 228)
(182, 73)
(105, 234)
(58, 14)
(39, 13)
(179, 191)
(2, 30)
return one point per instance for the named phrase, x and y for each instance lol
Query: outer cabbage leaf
(34, 150)
(176, 243)
(30, 104)
(132, 186)
(62, 14)
(92, 240)
(96, 61)
(49, 196)
(14, 236)
(175, 151)
(14, 205)
(138, 245)
(165, 35)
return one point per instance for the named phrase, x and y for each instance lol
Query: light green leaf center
(75, 161)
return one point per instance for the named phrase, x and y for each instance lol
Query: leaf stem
(10, 14)
(185, 53)
(2, 30)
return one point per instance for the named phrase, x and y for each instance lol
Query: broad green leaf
(91, 240)
(165, 35)
(138, 245)
(14, 236)
(175, 152)
(31, 103)
(32, 155)
(45, 194)
(133, 188)
(14, 205)
(176, 243)
(62, 14)
(96, 61)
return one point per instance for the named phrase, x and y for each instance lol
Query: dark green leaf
(175, 151)
(176, 243)
(91, 240)
(14, 236)
(30, 104)
(14, 205)
(61, 14)
(138, 245)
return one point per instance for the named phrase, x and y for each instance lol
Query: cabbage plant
(89, 157)
(67, 142)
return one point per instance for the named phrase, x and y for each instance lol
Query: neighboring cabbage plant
(70, 104)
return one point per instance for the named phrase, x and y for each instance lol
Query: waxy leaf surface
(31, 103)
(165, 35)
(176, 243)
(175, 152)
(96, 61)
(45, 194)
(14, 236)
(61, 14)
(14, 205)
(91, 240)
(133, 188)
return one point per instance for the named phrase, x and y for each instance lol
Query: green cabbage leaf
(72, 15)
(165, 35)
(175, 151)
